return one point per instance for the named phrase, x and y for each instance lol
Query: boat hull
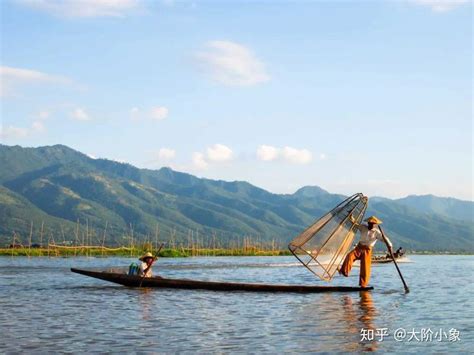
(137, 281)
(385, 260)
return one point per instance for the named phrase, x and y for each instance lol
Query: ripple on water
(44, 307)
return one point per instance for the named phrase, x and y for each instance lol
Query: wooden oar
(156, 257)
(393, 258)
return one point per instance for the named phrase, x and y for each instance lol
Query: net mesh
(323, 245)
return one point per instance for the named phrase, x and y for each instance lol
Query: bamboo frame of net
(301, 246)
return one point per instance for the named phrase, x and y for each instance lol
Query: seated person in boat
(146, 262)
(363, 250)
(399, 253)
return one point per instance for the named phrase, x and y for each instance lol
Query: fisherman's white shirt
(368, 237)
(143, 265)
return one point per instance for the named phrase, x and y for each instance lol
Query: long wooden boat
(385, 260)
(138, 281)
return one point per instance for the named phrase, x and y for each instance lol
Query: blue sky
(369, 96)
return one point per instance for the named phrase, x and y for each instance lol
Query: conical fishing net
(323, 246)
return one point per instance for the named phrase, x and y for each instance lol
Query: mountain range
(63, 189)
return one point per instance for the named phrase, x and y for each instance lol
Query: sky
(352, 96)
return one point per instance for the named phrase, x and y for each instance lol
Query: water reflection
(359, 314)
(145, 301)
(330, 315)
(368, 310)
(367, 316)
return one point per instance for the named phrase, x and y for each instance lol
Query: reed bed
(88, 240)
(98, 251)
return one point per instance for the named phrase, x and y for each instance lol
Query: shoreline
(169, 253)
(136, 252)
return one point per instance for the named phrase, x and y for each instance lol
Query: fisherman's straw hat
(146, 255)
(374, 220)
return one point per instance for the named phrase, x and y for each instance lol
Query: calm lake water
(44, 307)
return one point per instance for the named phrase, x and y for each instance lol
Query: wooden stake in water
(29, 241)
(41, 237)
(131, 239)
(13, 242)
(87, 237)
(157, 232)
(103, 239)
(76, 238)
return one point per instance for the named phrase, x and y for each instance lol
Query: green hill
(445, 206)
(66, 191)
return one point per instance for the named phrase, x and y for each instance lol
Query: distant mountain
(445, 206)
(66, 191)
(311, 191)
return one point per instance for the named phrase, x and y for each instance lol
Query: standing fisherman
(363, 251)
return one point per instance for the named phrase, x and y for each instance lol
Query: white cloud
(80, 115)
(199, 161)
(267, 153)
(11, 78)
(13, 132)
(159, 113)
(297, 156)
(163, 155)
(166, 154)
(219, 153)
(29, 75)
(42, 115)
(38, 126)
(232, 64)
(83, 8)
(119, 160)
(322, 156)
(288, 154)
(134, 113)
(441, 5)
